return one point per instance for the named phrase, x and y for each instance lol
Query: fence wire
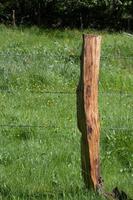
(27, 55)
(119, 93)
(56, 127)
(51, 145)
(115, 93)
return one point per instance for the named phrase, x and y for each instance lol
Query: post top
(91, 36)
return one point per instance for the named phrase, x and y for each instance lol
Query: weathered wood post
(87, 110)
(13, 18)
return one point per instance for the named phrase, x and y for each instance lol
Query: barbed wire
(117, 56)
(57, 127)
(115, 93)
(118, 128)
(40, 92)
(112, 93)
(25, 126)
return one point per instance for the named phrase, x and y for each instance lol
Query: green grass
(44, 163)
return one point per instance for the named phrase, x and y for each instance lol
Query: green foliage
(68, 12)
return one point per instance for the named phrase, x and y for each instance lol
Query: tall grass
(44, 162)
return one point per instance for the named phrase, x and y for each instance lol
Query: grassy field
(43, 161)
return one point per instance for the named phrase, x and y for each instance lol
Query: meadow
(39, 139)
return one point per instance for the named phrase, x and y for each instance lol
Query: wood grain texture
(91, 60)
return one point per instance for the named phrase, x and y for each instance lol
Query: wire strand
(52, 126)
(116, 93)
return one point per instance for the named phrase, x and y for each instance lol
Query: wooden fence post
(87, 112)
(13, 18)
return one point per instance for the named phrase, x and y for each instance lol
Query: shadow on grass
(7, 193)
(24, 133)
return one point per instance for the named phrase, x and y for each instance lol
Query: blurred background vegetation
(112, 14)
